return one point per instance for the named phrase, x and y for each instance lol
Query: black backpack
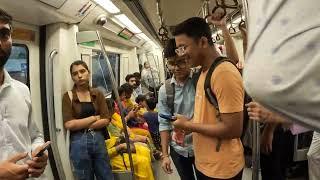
(170, 92)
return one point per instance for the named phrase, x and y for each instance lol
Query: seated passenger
(128, 90)
(115, 129)
(131, 80)
(85, 113)
(119, 157)
(140, 90)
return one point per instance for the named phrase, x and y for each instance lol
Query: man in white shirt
(20, 139)
(150, 77)
(283, 60)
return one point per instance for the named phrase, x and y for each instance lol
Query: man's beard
(4, 56)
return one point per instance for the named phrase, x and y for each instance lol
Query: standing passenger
(86, 115)
(19, 134)
(216, 133)
(182, 90)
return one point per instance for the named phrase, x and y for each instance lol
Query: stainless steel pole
(115, 90)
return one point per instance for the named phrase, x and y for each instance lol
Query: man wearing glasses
(216, 133)
(183, 92)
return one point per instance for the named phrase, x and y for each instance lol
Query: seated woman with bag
(117, 149)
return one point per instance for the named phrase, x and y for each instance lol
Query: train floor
(161, 175)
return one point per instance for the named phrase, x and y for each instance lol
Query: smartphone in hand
(168, 117)
(40, 153)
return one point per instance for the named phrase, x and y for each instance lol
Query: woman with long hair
(86, 115)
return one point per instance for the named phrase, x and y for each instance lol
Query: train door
(24, 64)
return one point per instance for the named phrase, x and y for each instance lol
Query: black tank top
(87, 110)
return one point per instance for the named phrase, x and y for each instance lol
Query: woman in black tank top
(86, 115)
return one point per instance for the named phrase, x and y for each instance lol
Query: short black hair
(77, 63)
(140, 98)
(127, 88)
(195, 28)
(5, 17)
(169, 49)
(129, 76)
(120, 91)
(152, 103)
(137, 75)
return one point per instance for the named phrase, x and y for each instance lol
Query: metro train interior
(123, 35)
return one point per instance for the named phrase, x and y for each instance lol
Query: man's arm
(36, 165)
(232, 53)
(36, 135)
(164, 125)
(165, 138)
(9, 169)
(259, 113)
(243, 31)
(229, 128)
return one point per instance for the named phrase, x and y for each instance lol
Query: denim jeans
(89, 156)
(184, 165)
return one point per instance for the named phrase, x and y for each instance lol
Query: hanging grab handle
(232, 30)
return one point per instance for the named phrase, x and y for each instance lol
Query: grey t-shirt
(282, 69)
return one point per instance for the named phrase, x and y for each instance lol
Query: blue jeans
(89, 156)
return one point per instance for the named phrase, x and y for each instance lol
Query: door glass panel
(100, 75)
(18, 63)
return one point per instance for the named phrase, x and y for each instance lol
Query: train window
(100, 76)
(18, 63)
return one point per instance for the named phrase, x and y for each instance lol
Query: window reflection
(18, 63)
(100, 75)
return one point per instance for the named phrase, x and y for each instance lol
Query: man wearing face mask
(20, 139)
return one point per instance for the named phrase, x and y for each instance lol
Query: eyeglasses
(5, 34)
(181, 50)
(180, 64)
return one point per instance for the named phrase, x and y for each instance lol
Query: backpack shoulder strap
(210, 94)
(170, 92)
(207, 83)
(195, 77)
(70, 96)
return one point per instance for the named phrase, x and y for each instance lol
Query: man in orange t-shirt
(193, 39)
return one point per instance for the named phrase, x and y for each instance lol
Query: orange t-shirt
(226, 83)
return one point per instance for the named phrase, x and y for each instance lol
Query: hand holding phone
(168, 117)
(46, 146)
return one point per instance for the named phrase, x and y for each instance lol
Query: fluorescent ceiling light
(108, 5)
(143, 36)
(128, 23)
(118, 22)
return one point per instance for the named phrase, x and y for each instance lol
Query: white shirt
(150, 77)
(282, 69)
(18, 132)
